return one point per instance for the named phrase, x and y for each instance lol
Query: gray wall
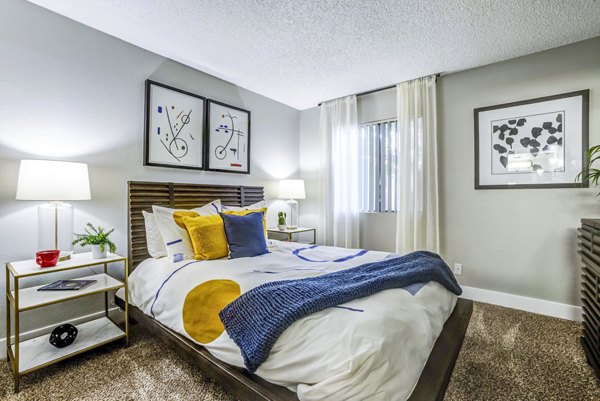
(310, 168)
(514, 241)
(72, 93)
(376, 106)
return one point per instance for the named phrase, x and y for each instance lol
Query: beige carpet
(514, 355)
(507, 355)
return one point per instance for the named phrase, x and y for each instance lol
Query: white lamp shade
(291, 189)
(53, 181)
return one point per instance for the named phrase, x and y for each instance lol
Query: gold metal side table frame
(13, 309)
(290, 232)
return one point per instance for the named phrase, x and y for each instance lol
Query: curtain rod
(376, 90)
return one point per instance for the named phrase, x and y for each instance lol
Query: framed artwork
(537, 143)
(228, 140)
(174, 127)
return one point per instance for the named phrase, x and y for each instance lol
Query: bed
(431, 383)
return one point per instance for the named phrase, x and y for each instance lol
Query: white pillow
(257, 205)
(174, 234)
(154, 240)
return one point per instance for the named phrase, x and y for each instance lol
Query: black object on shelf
(63, 335)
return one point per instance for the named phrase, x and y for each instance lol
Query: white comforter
(371, 348)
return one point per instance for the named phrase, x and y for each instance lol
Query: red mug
(47, 258)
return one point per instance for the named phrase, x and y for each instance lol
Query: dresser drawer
(589, 238)
(590, 229)
(591, 266)
(589, 283)
(592, 348)
(591, 333)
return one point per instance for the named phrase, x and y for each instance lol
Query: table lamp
(292, 189)
(56, 182)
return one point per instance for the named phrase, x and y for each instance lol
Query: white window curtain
(418, 215)
(340, 172)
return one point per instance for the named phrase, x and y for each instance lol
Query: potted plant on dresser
(98, 239)
(281, 221)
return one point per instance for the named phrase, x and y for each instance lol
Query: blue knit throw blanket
(258, 317)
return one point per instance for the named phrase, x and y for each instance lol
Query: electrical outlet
(458, 269)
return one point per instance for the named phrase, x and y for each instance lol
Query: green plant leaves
(95, 236)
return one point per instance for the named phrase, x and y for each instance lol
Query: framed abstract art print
(537, 143)
(228, 142)
(174, 127)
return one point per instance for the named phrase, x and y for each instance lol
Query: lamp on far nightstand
(56, 182)
(292, 189)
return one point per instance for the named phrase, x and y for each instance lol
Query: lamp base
(55, 228)
(293, 218)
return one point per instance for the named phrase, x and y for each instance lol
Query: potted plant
(592, 175)
(98, 239)
(281, 221)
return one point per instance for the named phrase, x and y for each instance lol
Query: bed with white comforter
(371, 348)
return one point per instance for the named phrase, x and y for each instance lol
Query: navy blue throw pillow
(245, 235)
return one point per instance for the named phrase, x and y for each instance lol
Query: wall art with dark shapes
(228, 142)
(532, 143)
(174, 123)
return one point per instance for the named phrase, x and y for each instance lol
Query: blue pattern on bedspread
(339, 260)
(256, 319)
(165, 282)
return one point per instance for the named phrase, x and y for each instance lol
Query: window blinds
(378, 166)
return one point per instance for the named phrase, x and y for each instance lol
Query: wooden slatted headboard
(142, 195)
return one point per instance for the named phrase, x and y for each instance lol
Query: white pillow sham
(154, 240)
(174, 234)
(257, 205)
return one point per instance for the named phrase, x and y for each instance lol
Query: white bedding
(371, 348)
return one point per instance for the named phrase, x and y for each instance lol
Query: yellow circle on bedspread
(202, 306)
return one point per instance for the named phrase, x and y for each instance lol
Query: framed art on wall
(228, 142)
(174, 127)
(537, 143)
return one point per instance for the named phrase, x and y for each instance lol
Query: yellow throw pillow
(208, 236)
(245, 212)
(173, 231)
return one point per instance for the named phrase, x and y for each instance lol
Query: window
(378, 161)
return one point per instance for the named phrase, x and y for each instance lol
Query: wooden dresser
(589, 249)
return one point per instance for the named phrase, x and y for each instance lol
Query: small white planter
(97, 252)
(281, 227)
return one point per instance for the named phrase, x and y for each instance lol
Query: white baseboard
(540, 306)
(48, 329)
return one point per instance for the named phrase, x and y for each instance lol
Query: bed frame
(432, 383)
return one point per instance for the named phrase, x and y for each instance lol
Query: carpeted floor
(507, 355)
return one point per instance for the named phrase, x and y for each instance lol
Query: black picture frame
(211, 125)
(147, 126)
(584, 94)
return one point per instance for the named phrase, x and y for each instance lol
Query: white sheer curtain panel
(340, 172)
(418, 215)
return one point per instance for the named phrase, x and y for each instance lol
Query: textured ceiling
(302, 52)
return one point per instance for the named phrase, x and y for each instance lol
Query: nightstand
(289, 232)
(26, 356)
